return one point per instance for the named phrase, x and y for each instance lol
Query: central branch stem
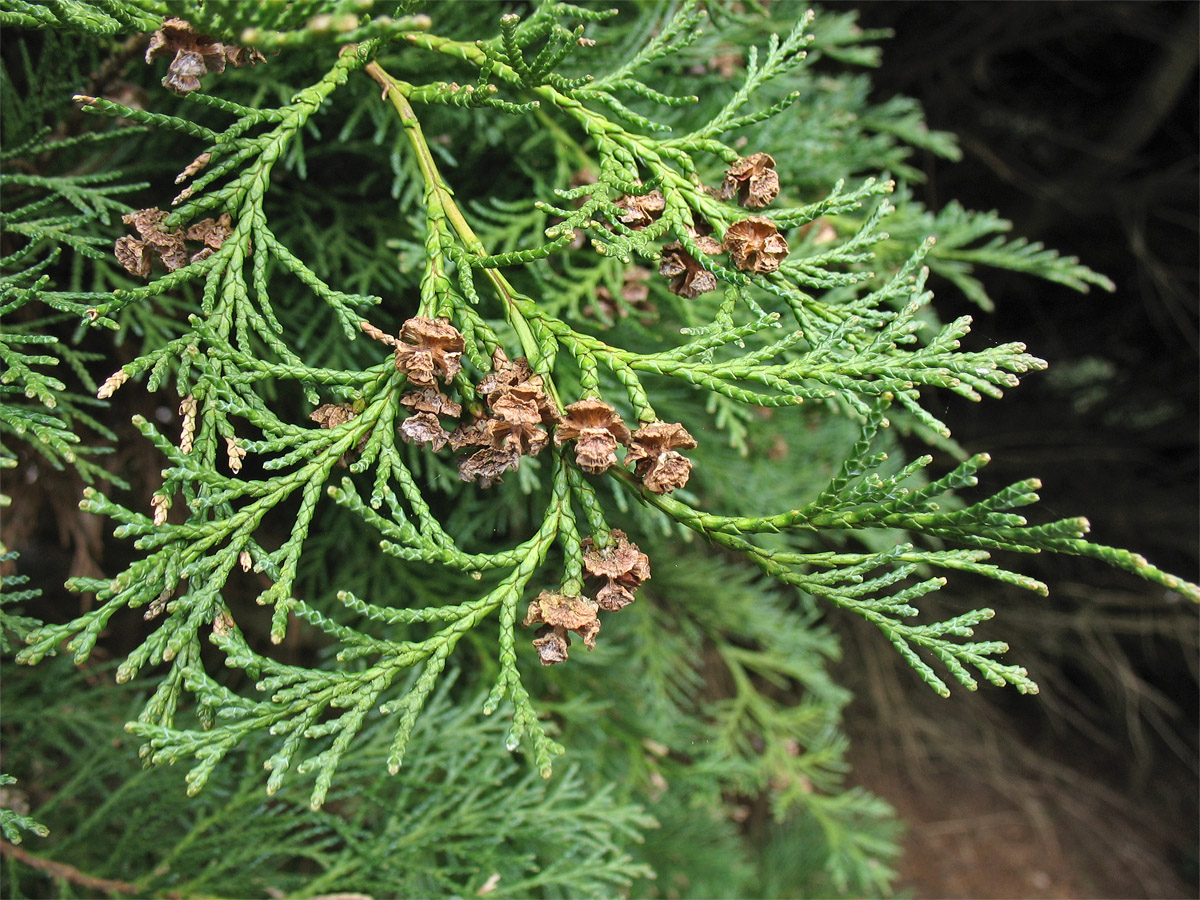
(393, 90)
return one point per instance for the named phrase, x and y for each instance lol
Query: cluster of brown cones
(521, 418)
(156, 241)
(754, 243)
(521, 421)
(620, 565)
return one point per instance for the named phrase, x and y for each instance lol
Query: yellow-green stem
(393, 91)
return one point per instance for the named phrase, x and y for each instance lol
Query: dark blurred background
(1079, 122)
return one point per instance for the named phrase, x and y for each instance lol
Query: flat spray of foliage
(477, 385)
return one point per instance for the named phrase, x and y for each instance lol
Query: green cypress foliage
(480, 321)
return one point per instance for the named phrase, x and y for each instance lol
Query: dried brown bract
(331, 415)
(559, 614)
(243, 56)
(755, 245)
(431, 400)
(472, 435)
(640, 210)
(617, 559)
(506, 373)
(519, 406)
(551, 645)
(516, 425)
(195, 55)
(597, 430)
(136, 254)
(428, 347)
(519, 402)
(654, 454)
(688, 278)
(753, 180)
(623, 566)
(211, 232)
(514, 381)
(701, 235)
(424, 428)
(148, 222)
(486, 466)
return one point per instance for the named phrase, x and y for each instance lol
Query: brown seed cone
(576, 614)
(561, 613)
(486, 466)
(331, 415)
(688, 278)
(243, 56)
(614, 596)
(701, 235)
(511, 406)
(424, 428)
(640, 210)
(474, 434)
(133, 255)
(196, 55)
(753, 180)
(755, 245)
(521, 439)
(618, 559)
(596, 453)
(148, 222)
(175, 35)
(513, 384)
(505, 373)
(670, 471)
(136, 255)
(431, 400)
(551, 645)
(211, 232)
(428, 347)
(597, 430)
(656, 461)
(623, 566)
(525, 440)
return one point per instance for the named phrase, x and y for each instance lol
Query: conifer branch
(72, 875)
(777, 297)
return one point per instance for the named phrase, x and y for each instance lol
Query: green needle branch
(431, 430)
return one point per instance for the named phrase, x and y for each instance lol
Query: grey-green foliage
(465, 195)
(434, 830)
